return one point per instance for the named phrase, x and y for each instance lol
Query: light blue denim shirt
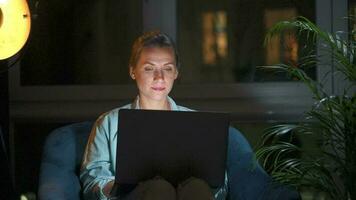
(99, 161)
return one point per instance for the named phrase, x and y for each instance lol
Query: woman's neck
(154, 105)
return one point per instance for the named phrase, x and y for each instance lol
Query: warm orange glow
(0, 17)
(15, 23)
(291, 51)
(215, 43)
(274, 51)
(209, 55)
(221, 35)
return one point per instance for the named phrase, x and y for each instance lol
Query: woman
(154, 67)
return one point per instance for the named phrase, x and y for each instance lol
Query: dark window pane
(352, 19)
(80, 42)
(222, 41)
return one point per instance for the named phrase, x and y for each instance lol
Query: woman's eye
(148, 69)
(168, 68)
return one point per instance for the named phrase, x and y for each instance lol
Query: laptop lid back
(172, 144)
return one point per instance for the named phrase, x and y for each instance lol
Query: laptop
(174, 145)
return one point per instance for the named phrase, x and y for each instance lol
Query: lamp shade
(15, 24)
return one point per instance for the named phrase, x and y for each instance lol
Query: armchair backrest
(61, 160)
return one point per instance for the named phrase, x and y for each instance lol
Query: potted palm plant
(332, 120)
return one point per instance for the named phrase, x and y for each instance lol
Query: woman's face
(155, 73)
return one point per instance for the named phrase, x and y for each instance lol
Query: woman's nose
(158, 74)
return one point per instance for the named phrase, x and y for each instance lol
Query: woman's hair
(148, 40)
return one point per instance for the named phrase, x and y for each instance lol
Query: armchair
(61, 160)
(64, 148)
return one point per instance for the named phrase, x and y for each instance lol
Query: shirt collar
(172, 103)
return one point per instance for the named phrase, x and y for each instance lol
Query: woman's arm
(97, 173)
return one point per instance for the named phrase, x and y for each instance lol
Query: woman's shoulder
(182, 108)
(113, 114)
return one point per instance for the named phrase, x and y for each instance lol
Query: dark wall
(5, 179)
(29, 139)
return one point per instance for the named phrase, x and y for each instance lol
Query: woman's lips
(158, 88)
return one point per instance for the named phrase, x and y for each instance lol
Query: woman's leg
(154, 189)
(194, 189)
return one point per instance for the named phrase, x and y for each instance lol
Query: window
(281, 48)
(214, 36)
(80, 42)
(222, 41)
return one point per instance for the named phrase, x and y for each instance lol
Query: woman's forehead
(157, 54)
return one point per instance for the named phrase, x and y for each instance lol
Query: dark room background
(75, 64)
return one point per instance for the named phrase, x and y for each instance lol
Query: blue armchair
(61, 160)
(64, 148)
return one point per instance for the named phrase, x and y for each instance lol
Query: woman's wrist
(107, 188)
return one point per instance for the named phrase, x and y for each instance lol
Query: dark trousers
(159, 189)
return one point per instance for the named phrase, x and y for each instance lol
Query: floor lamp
(15, 23)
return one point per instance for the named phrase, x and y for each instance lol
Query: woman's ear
(132, 73)
(176, 75)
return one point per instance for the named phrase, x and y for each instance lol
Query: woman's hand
(107, 188)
